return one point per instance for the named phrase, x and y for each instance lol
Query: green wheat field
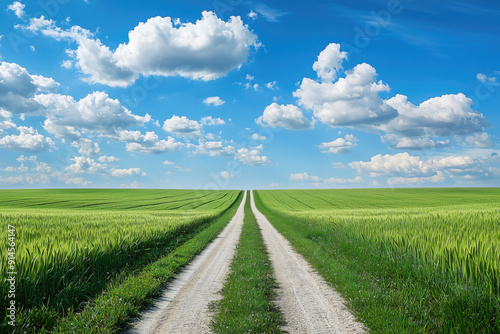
(405, 260)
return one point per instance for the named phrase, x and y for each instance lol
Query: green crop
(437, 251)
(71, 244)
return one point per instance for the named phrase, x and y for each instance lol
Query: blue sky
(235, 94)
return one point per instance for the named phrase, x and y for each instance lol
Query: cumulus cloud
(87, 147)
(305, 177)
(214, 101)
(105, 158)
(258, 137)
(402, 168)
(18, 88)
(439, 116)
(183, 127)
(329, 62)
(350, 101)
(481, 140)
(97, 112)
(17, 8)
(419, 143)
(85, 165)
(352, 98)
(148, 143)
(439, 177)
(251, 157)
(214, 149)
(288, 116)
(205, 50)
(28, 140)
(226, 175)
(339, 145)
(209, 120)
(126, 172)
(487, 80)
(401, 163)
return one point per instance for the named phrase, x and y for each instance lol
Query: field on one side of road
(71, 244)
(407, 260)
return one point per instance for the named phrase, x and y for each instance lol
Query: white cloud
(126, 172)
(28, 140)
(487, 80)
(148, 143)
(251, 157)
(481, 140)
(18, 88)
(209, 120)
(214, 101)
(85, 165)
(452, 162)
(339, 145)
(272, 85)
(17, 8)
(249, 77)
(419, 143)
(256, 137)
(439, 116)
(403, 168)
(205, 50)
(166, 162)
(11, 180)
(87, 147)
(183, 127)
(214, 149)
(350, 101)
(97, 112)
(305, 177)
(439, 177)
(79, 181)
(401, 163)
(329, 62)
(287, 116)
(105, 158)
(226, 175)
(252, 15)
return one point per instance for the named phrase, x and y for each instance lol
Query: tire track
(183, 307)
(308, 303)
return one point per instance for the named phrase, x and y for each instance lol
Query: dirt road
(183, 307)
(308, 303)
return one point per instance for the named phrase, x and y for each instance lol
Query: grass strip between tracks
(247, 304)
(114, 309)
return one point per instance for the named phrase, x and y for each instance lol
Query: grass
(406, 260)
(247, 304)
(67, 257)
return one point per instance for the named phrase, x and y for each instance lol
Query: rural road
(307, 302)
(183, 307)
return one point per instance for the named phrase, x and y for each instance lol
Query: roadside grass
(247, 304)
(84, 291)
(391, 285)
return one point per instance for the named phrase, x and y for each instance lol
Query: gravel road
(308, 303)
(183, 307)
